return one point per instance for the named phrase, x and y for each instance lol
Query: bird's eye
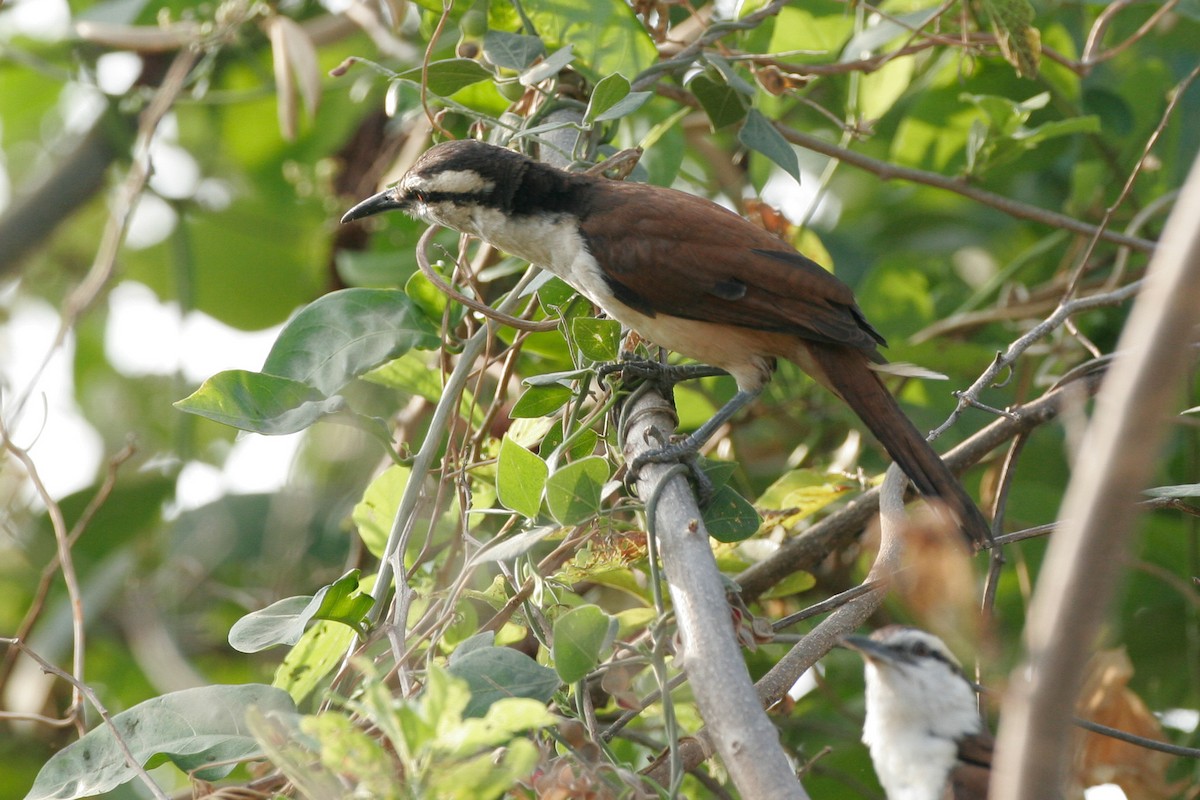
(920, 649)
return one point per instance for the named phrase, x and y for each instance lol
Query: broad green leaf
(573, 492)
(605, 35)
(597, 339)
(607, 93)
(487, 775)
(625, 106)
(344, 334)
(317, 654)
(820, 26)
(373, 515)
(879, 90)
(723, 104)
(799, 493)
(252, 401)
(580, 636)
(512, 50)
(505, 719)
(284, 621)
(520, 478)
(759, 134)
(413, 375)
(540, 401)
(729, 517)
(448, 76)
(191, 728)
(494, 673)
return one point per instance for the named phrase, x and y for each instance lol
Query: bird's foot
(685, 452)
(664, 376)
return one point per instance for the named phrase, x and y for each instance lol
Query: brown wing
(721, 268)
(970, 777)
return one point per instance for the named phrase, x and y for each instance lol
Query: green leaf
(729, 517)
(607, 93)
(573, 492)
(373, 514)
(413, 374)
(580, 636)
(540, 401)
(547, 68)
(625, 106)
(317, 654)
(340, 336)
(191, 728)
(512, 50)
(1019, 41)
(800, 493)
(723, 104)
(495, 673)
(504, 720)
(520, 478)
(605, 35)
(598, 339)
(284, 621)
(759, 134)
(448, 76)
(252, 401)
(1178, 492)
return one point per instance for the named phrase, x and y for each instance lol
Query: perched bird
(923, 728)
(685, 274)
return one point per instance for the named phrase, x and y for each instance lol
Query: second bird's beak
(869, 648)
(387, 200)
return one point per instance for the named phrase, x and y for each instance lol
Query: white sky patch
(146, 336)
(1107, 791)
(116, 72)
(795, 200)
(152, 222)
(45, 20)
(65, 448)
(1181, 719)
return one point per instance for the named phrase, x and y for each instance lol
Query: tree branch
(1084, 559)
(746, 740)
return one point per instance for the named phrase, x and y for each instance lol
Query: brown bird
(683, 273)
(923, 728)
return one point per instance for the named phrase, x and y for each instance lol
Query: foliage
(965, 167)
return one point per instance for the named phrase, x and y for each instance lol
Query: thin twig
(86, 692)
(1005, 360)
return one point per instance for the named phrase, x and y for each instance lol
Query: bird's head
(914, 679)
(449, 183)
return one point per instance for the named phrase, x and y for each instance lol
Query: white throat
(916, 713)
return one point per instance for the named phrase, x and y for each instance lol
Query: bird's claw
(682, 453)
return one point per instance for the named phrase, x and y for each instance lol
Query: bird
(923, 728)
(685, 274)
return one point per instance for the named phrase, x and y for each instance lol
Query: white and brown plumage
(923, 728)
(685, 274)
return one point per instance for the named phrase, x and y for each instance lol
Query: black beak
(387, 200)
(869, 649)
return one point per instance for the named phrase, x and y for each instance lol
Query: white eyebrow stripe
(452, 181)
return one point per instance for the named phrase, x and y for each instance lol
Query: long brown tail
(848, 374)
